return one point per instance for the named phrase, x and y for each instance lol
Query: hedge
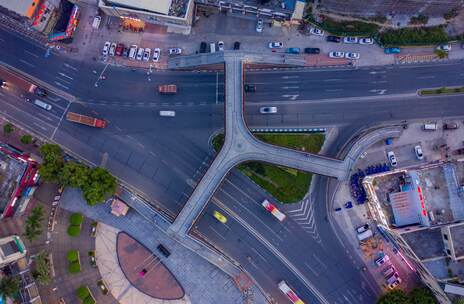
(74, 267)
(74, 230)
(89, 300)
(413, 36)
(76, 219)
(83, 292)
(344, 28)
(73, 255)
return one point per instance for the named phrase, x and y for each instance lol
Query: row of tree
(416, 296)
(96, 183)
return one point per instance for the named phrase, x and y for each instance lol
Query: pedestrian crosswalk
(413, 58)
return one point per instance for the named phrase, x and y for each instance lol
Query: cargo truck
(167, 89)
(273, 210)
(86, 120)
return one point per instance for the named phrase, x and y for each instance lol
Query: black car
(2, 83)
(312, 50)
(203, 47)
(125, 52)
(40, 92)
(335, 39)
(250, 88)
(236, 45)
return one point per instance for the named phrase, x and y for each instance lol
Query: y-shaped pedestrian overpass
(241, 146)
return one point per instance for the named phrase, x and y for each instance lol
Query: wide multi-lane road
(163, 158)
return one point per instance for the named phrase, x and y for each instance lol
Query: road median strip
(441, 91)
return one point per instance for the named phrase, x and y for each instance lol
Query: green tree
(26, 139)
(101, 184)
(8, 128)
(422, 296)
(41, 272)
(459, 301)
(74, 175)
(9, 287)
(50, 169)
(33, 225)
(394, 297)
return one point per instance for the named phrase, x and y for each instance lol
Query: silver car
(259, 25)
(268, 110)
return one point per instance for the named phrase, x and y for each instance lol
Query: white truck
(272, 209)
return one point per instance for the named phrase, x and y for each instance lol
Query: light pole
(149, 73)
(101, 75)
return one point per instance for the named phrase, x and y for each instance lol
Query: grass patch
(444, 90)
(73, 255)
(84, 294)
(76, 219)
(74, 230)
(74, 267)
(347, 28)
(413, 36)
(285, 184)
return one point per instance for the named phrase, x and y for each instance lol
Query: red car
(119, 49)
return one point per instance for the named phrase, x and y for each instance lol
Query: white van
(132, 52)
(364, 235)
(212, 47)
(96, 22)
(42, 104)
(430, 127)
(167, 113)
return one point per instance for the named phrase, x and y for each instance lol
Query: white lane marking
(217, 232)
(63, 80)
(377, 72)
(426, 77)
(44, 117)
(40, 126)
(380, 81)
(380, 91)
(70, 67)
(32, 54)
(292, 97)
(61, 85)
(64, 75)
(26, 63)
(290, 87)
(333, 90)
(334, 79)
(55, 99)
(61, 119)
(217, 81)
(289, 77)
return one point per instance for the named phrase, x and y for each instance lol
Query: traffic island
(441, 91)
(286, 184)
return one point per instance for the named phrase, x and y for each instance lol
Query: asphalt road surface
(164, 158)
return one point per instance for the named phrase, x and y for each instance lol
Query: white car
(112, 49)
(175, 51)
(382, 260)
(316, 31)
(394, 284)
(350, 40)
(140, 52)
(221, 46)
(336, 54)
(146, 54)
(106, 48)
(419, 153)
(366, 41)
(156, 54)
(351, 55)
(268, 110)
(259, 25)
(392, 158)
(276, 45)
(444, 47)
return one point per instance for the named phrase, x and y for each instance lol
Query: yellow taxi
(220, 217)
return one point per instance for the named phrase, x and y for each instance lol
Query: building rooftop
(457, 235)
(24, 8)
(11, 249)
(11, 171)
(426, 243)
(151, 6)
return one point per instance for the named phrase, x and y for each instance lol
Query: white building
(11, 250)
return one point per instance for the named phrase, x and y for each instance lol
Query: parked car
(362, 228)
(236, 45)
(220, 217)
(249, 88)
(312, 50)
(394, 284)
(316, 31)
(40, 92)
(106, 48)
(293, 50)
(268, 110)
(203, 47)
(450, 126)
(350, 40)
(444, 47)
(132, 52)
(389, 271)
(392, 158)
(125, 52)
(366, 41)
(392, 50)
(112, 49)
(156, 54)
(419, 153)
(382, 260)
(335, 54)
(335, 39)
(140, 52)
(276, 45)
(146, 54)
(221, 46)
(351, 55)
(259, 25)
(175, 51)
(119, 49)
